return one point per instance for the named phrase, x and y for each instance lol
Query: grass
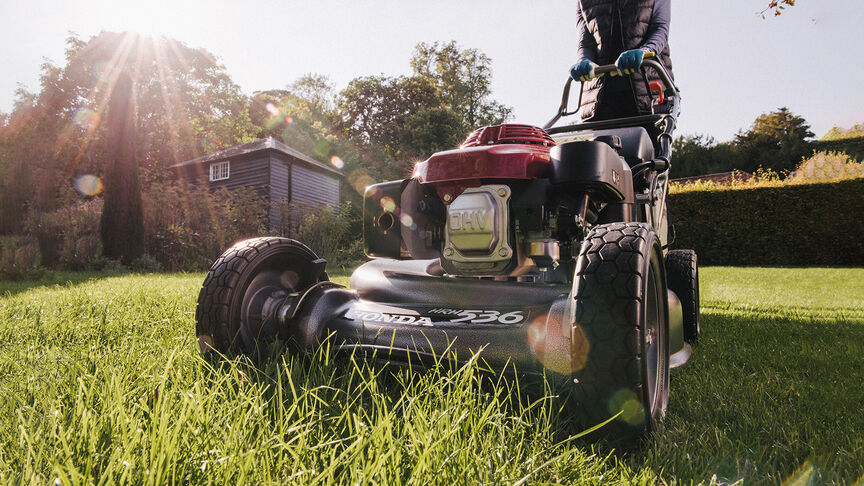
(101, 383)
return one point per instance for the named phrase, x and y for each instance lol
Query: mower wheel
(620, 340)
(682, 271)
(244, 288)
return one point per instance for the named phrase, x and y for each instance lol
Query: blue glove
(630, 62)
(583, 71)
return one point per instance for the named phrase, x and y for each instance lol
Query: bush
(188, 227)
(69, 236)
(330, 234)
(19, 257)
(827, 166)
(105, 264)
(799, 224)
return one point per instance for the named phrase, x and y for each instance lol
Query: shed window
(219, 170)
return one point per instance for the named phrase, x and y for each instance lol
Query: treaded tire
(682, 271)
(270, 267)
(620, 340)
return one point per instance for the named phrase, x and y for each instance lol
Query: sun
(155, 18)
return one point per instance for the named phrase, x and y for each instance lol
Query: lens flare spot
(580, 349)
(375, 193)
(335, 161)
(360, 180)
(272, 109)
(88, 184)
(388, 204)
(626, 402)
(406, 220)
(86, 118)
(102, 71)
(289, 120)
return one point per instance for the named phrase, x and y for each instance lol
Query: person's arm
(658, 28)
(586, 46)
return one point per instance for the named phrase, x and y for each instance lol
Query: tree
(777, 141)
(375, 109)
(463, 77)
(122, 226)
(186, 106)
(838, 133)
(410, 117)
(700, 154)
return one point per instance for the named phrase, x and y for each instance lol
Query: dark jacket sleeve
(658, 29)
(587, 46)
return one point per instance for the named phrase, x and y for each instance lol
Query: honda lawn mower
(542, 249)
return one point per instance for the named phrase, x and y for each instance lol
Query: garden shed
(275, 170)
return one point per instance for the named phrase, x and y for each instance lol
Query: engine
(508, 203)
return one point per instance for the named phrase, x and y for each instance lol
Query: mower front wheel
(620, 340)
(245, 287)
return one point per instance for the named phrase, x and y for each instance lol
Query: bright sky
(730, 63)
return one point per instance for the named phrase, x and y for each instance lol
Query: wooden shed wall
(312, 187)
(250, 171)
(280, 189)
(277, 176)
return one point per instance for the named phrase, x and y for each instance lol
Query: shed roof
(268, 143)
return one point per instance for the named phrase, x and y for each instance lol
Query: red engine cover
(497, 152)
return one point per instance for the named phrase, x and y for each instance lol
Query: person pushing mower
(623, 32)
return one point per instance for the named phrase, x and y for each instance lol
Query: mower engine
(508, 203)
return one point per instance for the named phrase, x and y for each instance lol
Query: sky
(730, 64)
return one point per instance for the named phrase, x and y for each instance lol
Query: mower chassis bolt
(504, 252)
(502, 192)
(448, 197)
(448, 252)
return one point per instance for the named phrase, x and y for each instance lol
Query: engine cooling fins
(508, 133)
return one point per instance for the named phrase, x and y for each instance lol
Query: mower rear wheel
(682, 271)
(244, 288)
(620, 340)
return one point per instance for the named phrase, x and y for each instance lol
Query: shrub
(69, 236)
(779, 224)
(330, 234)
(19, 257)
(827, 166)
(187, 227)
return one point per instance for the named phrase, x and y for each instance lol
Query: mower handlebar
(611, 70)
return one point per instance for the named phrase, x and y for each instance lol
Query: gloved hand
(630, 62)
(583, 71)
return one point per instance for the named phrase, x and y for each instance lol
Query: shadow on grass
(50, 278)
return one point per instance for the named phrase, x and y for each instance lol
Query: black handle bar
(610, 69)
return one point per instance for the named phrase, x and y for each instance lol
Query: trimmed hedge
(807, 224)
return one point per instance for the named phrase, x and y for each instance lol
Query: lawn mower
(542, 248)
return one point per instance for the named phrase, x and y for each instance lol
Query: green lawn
(101, 382)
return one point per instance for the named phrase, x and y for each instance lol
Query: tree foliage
(700, 154)
(463, 78)
(838, 133)
(410, 117)
(776, 141)
(186, 106)
(776, 7)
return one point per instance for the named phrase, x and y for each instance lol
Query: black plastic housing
(382, 228)
(594, 167)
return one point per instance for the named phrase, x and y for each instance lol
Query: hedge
(807, 224)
